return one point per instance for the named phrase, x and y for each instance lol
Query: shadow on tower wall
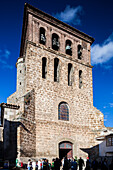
(9, 145)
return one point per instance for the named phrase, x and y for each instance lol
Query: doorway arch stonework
(74, 146)
(65, 149)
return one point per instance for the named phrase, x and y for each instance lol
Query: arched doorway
(65, 149)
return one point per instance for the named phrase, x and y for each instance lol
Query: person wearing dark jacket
(81, 163)
(57, 164)
(111, 165)
(95, 164)
(74, 165)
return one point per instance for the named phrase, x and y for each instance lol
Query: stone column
(74, 50)
(62, 44)
(30, 28)
(20, 76)
(37, 30)
(48, 38)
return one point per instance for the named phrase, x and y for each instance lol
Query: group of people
(69, 164)
(101, 165)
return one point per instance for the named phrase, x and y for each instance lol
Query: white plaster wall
(103, 148)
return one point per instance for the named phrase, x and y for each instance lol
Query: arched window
(44, 67)
(70, 72)
(63, 111)
(68, 47)
(42, 36)
(80, 79)
(80, 52)
(55, 42)
(56, 69)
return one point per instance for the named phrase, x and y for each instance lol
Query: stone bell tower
(54, 82)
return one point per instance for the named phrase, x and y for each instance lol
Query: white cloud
(4, 56)
(111, 104)
(104, 52)
(106, 116)
(7, 54)
(70, 15)
(104, 107)
(105, 120)
(110, 38)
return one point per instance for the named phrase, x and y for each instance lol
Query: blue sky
(92, 17)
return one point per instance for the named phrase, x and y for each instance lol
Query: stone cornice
(58, 53)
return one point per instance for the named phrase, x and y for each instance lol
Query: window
(109, 141)
(65, 145)
(44, 67)
(109, 154)
(63, 111)
(68, 47)
(42, 36)
(55, 42)
(70, 74)
(79, 52)
(80, 79)
(56, 70)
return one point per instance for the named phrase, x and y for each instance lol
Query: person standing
(29, 164)
(45, 164)
(111, 165)
(104, 165)
(57, 164)
(39, 164)
(66, 164)
(88, 164)
(52, 164)
(81, 163)
(73, 165)
(34, 164)
(95, 164)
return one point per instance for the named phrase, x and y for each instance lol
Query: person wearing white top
(39, 164)
(34, 165)
(29, 164)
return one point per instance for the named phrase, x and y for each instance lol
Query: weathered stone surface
(41, 132)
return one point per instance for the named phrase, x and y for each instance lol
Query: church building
(56, 116)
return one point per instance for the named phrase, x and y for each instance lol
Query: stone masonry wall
(50, 134)
(50, 93)
(83, 117)
(34, 25)
(41, 131)
(27, 131)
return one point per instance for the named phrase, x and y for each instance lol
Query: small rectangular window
(44, 67)
(56, 70)
(109, 141)
(69, 74)
(80, 79)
